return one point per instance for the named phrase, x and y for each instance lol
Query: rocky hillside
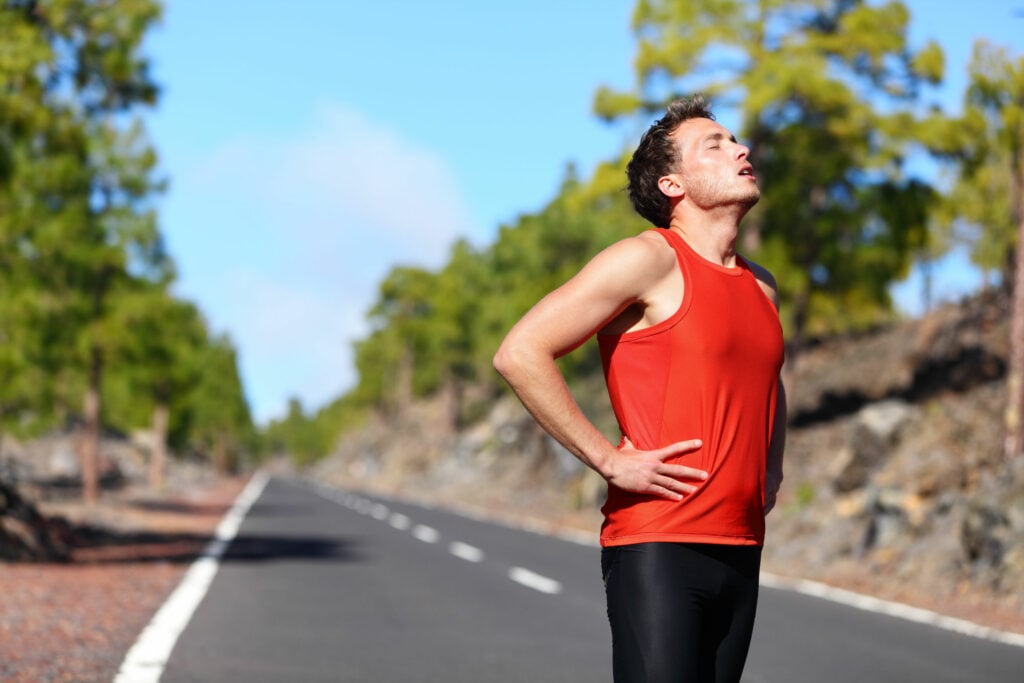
(895, 483)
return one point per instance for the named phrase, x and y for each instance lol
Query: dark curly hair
(657, 155)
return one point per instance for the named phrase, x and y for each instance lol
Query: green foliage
(304, 438)
(987, 144)
(158, 362)
(824, 91)
(219, 422)
(83, 269)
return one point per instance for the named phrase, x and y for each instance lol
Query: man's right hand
(647, 472)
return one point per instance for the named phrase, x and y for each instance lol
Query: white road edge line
(893, 609)
(535, 581)
(147, 658)
(466, 552)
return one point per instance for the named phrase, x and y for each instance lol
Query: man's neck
(712, 234)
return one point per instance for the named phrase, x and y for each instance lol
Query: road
(324, 585)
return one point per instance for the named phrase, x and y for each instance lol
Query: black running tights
(680, 612)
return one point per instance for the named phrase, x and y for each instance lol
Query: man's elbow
(510, 358)
(504, 359)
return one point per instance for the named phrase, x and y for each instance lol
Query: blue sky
(312, 145)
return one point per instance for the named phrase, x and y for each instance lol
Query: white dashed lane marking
(425, 533)
(399, 521)
(538, 582)
(535, 581)
(466, 552)
(428, 534)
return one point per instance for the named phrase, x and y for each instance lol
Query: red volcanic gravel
(76, 621)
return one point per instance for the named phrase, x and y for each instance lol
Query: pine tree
(823, 92)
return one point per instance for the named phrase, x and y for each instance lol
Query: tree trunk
(1010, 271)
(753, 224)
(220, 454)
(751, 239)
(927, 285)
(451, 392)
(1015, 375)
(403, 384)
(757, 134)
(795, 343)
(89, 449)
(1014, 441)
(158, 457)
(456, 405)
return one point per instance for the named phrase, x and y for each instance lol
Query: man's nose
(742, 151)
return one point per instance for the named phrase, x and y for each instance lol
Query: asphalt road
(324, 585)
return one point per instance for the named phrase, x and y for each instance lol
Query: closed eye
(718, 137)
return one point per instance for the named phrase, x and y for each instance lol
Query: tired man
(692, 348)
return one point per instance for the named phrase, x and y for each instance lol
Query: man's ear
(671, 186)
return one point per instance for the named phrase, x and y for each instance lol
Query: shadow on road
(263, 548)
(112, 547)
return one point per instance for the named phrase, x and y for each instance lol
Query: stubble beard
(710, 192)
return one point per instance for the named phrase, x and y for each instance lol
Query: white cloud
(294, 341)
(282, 240)
(345, 178)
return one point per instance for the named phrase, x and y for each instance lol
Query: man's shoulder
(766, 280)
(645, 250)
(760, 272)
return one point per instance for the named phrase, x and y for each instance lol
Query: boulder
(876, 430)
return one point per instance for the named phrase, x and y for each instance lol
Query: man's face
(714, 169)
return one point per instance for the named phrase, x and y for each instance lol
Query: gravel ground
(76, 621)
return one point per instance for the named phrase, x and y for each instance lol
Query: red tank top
(708, 372)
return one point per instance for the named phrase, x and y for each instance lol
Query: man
(692, 347)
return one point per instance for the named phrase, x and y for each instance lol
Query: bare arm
(616, 279)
